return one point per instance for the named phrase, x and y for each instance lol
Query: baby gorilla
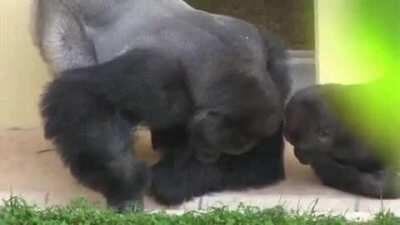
(338, 156)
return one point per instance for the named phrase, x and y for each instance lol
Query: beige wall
(328, 56)
(336, 62)
(22, 73)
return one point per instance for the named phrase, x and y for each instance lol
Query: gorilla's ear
(204, 135)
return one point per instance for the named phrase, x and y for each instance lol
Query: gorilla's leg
(378, 184)
(94, 141)
(179, 176)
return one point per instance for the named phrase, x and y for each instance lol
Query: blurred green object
(366, 44)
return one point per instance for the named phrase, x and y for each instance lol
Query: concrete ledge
(302, 69)
(301, 53)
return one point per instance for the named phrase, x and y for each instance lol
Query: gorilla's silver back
(78, 33)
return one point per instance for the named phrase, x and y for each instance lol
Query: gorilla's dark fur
(315, 125)
(210, 88)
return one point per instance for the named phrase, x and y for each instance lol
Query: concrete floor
(29, 168)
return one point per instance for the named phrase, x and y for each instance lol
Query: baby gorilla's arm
(377, 184)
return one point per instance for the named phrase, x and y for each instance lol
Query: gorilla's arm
(358, 157)
(93, 138)
(376, 184)
(90, 112)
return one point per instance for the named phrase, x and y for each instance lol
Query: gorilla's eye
(324, 133)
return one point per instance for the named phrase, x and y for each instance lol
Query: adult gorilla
(211, 89)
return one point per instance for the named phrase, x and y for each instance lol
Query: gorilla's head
(237, 120)
(216, 134)
(310, 123)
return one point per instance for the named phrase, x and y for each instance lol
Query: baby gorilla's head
(310, 123)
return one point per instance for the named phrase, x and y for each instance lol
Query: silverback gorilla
(210, 88)
(339, 157)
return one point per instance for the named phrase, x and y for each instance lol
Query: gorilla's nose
(207, 156)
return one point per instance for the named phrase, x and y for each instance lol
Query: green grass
(17, 212)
